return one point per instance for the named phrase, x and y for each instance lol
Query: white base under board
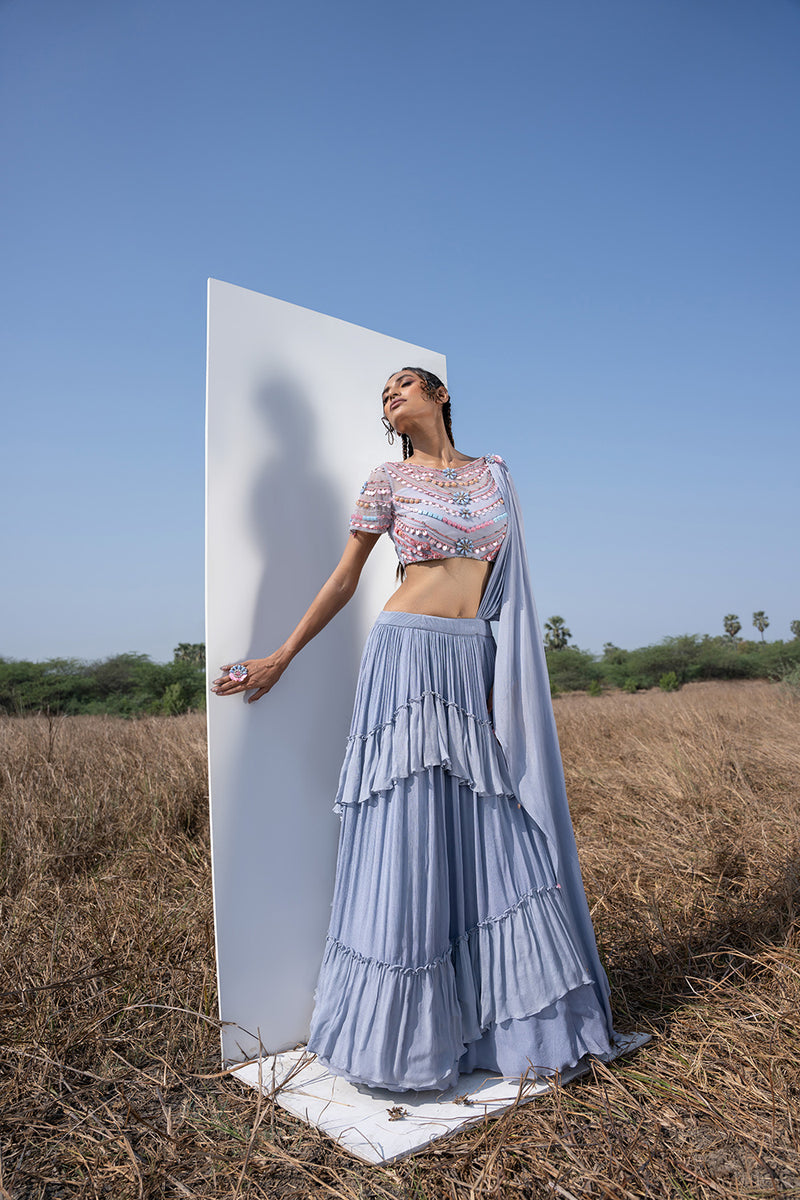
(379, 1126)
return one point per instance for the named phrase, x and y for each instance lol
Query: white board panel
(292, 431)
(379, 1126)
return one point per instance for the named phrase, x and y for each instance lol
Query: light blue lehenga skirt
(449, 947)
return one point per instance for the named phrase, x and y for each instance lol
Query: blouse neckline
(442, 470)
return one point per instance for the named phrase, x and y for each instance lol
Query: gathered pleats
(449, 945)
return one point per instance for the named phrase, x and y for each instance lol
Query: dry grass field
(687, 815)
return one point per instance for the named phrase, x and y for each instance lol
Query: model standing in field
(460, 937)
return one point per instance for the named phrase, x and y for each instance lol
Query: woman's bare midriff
(442, 587)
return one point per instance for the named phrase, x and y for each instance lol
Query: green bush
(571, 669)
(630, 685)
(791, 680)
(595, 688)
(669, 682)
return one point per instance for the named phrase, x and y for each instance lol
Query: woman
(460, 936)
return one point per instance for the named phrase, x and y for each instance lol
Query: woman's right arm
(339, 587)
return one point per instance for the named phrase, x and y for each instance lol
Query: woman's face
(405, 400)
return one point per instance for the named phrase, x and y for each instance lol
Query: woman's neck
(434, 449)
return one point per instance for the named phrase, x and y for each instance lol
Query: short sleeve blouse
(434, 513)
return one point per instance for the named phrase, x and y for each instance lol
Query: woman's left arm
(339, 587)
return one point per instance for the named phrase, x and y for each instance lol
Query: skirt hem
(586, 1042)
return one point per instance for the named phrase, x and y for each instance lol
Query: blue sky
(589, 205)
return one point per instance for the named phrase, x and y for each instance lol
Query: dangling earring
(389, 430)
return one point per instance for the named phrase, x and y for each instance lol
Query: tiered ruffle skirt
(450, 948)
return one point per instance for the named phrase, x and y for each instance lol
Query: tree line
(672, 662)
(132, 684)
(126, 685)
(556, 634)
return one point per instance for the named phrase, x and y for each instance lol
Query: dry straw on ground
(686, 808)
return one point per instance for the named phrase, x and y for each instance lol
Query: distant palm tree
(795, 628)
(556, 634)
(761, 622)
(191, 652)
(732, 625)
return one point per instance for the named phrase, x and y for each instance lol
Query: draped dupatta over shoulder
(524, 721)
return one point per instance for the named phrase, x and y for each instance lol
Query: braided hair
(430, 385)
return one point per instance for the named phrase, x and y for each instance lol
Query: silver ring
(238, 673)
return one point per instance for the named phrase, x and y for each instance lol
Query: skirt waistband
(462, 626)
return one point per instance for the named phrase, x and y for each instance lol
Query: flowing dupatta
(524, 721)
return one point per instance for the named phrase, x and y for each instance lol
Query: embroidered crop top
(433, 512)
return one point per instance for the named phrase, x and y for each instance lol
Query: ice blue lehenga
(459, 936)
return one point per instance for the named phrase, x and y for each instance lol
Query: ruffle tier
(410, 1028)
(418, 710)
(427, 731)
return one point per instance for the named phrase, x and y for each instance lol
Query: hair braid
(448, 421)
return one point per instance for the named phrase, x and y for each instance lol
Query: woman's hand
(262, 674)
